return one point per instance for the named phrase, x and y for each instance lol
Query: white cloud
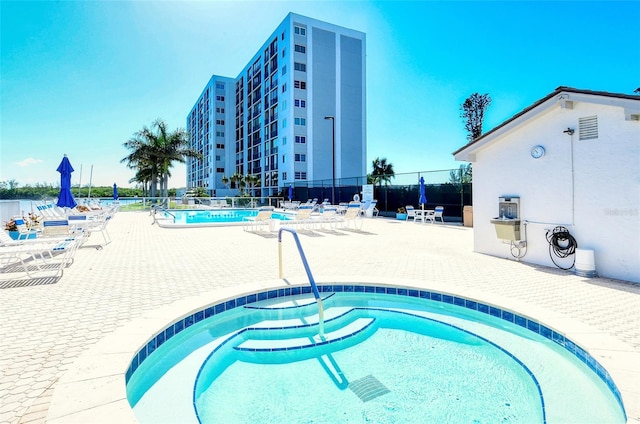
(28, 162)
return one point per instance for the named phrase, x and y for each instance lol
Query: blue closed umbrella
(115, 191)
(290, 192)
(65, 198)
(423, 196)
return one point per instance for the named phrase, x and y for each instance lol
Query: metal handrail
(154, 209)
(316, 293)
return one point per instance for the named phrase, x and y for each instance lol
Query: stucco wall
(593, 189)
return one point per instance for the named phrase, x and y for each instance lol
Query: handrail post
(314, 287)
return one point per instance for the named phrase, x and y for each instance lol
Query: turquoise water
(418, 361)
(217, 216)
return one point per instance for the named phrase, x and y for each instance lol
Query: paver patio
(45, 328)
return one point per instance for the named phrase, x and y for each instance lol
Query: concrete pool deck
(52, 333)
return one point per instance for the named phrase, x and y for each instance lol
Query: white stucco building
(573, 160)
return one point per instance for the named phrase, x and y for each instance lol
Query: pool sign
(367, 192)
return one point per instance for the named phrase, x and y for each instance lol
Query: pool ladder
(316, 293)
(154, 209)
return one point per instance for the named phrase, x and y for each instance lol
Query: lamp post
(333, 158)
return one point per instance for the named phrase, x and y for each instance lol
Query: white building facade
(275, 120)
(572, 160)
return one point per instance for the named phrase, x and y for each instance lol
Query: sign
(367, 192)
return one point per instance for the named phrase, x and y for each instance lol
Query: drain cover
(368, 388)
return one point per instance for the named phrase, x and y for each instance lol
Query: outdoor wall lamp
(569, 131)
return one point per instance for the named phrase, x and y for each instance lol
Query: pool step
(341, 334)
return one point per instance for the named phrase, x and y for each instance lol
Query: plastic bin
(467, 216)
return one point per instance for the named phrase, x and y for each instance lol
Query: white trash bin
(585, 263)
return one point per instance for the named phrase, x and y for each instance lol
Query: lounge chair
(352, 216)
(87, 224)
(302, 218)
(263, 218)
(34, 256)
(329, 216)
(369, 209)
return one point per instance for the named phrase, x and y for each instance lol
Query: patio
(48, 325)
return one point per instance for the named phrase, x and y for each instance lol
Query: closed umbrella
(65, 198)
(115, 191)
(423, 196)
(290, 192)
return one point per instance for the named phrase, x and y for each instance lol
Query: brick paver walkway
(44, 328)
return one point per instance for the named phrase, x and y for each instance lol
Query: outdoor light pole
(333, 158)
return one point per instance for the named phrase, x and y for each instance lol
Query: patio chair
(263, 218)
(365, 208)
(302, 218)
(352, 216)
(439, 212)
(411, 212)
(87, 224)
(34, 256)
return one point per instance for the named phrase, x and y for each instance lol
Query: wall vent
(588, 128)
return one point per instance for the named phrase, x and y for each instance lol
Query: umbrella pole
(80, 181)
(90, 178)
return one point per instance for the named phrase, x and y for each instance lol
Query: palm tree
(382, 172)
(153, 150)
(238, 181)
(252, 180)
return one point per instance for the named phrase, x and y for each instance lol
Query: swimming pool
(389, 355)
(181, 218)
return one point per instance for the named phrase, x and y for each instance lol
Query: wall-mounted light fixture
(569, 131)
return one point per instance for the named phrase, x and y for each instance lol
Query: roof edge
(558, 90)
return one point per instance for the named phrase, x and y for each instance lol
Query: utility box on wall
(507, 224)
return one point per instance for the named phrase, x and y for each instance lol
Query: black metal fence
(443, 188)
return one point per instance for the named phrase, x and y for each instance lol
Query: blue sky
(80, 77)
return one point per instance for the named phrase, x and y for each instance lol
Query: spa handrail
(316, 293)
(154, 209)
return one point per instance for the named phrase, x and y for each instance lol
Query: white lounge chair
(35, 256)
(263, 218)
(302, 218)
(352, 216)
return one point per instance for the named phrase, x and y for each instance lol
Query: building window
(300, 121)
(218, 158)
(282, 36)
(301, 139)
(284, 140)
(300, 67)
(220, 98)
(301, 157)
(219, 110)
(220, 170)
(300, 48)
(284, 69)
(284, 87)
(300, 103)
(284, 123)
(219, 146)
(301, 175)
(284, 176)
(302, 85)
(219, 133)
(219, 86)
(283, 158)
(219, 121)
(298, 30)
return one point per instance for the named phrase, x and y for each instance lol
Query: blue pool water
(382, 358)
(216, 216)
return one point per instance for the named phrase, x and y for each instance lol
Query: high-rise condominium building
(296, 114)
